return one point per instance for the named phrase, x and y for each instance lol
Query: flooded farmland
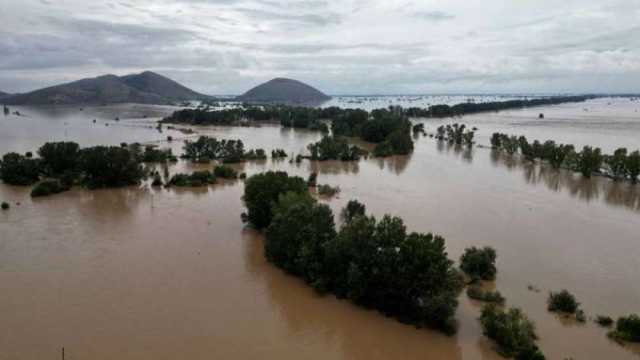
(142, 273)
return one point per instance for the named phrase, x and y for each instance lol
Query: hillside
(281, 90)
(145, 88)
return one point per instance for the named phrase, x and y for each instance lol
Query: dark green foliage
(16, 169)
(312, 181)
(476, 293)
(262, 191)
(589, 161)
(109, 166)
(632, 165)
(153, 155)
(479, 263)
(334, 148)
(5, 205)
(349, 122)
(278, 153)
(257, 154)
(59, 157)
(627, 329)
(604, 321)
(512, 331)
(354, 208)
(195, 179)
(418, 129)
(617, 163)
(328, 190)
(562, 301)
(225, 172)
(496, 140)
(49, 187)
(456, 134)
(208, 148)
(375, 264)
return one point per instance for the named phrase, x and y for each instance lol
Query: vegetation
(476, 293)
(262, 192)
(207, 148)
(456, 134)
(225, 172)
(49, 187)
(627, 329)
(479, 263)
(109, 166)
(562, 301)
(334, 148)
(328, 190)
(512, 331)
(16, 169)
(375, 264)
(604, 321)
(589, 161)
(278, 153)
(312, 181)
(354, 208)
(197, 178)
(5, 205)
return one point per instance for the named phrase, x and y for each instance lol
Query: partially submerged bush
(479, 263)
(562, 301)
(476, 293)
(512, 331)
(604, 321)
(197, 178)
(5, 205)
(49, 187)
(328, 190)
(627, 329)
(225, 172)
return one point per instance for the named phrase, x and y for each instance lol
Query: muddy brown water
(140, 273)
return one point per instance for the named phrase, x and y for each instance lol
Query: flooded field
(141, 273)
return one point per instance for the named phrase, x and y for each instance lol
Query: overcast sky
(341, 47)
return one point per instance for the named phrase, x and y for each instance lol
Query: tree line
(621, 165)
(229, 151)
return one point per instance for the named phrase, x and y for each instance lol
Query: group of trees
(195, 179)
(67, 164)
(334, 148)
(620, 165)
(376, 264)
(512, 331)
(473, 107)
(479, 263)
(207, 148)
(627, 329)
(456, 134)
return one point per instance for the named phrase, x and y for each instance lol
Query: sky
(341, 47)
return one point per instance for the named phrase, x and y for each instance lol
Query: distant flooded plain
(141, 273)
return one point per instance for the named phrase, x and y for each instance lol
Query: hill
(4, 94)
(145, 88)
(287, 91)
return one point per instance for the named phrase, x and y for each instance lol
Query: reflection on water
(617, 193)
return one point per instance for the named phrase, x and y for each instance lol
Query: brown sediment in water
(139, 273)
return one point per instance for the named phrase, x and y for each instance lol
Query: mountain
(145, 88)
(281, 90)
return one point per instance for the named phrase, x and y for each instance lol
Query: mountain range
(146, 88)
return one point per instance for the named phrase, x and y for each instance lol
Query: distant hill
(145, 88)
(281, 90)
(4, 94)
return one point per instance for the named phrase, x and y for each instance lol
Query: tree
(512, 331)
(589, 161)
(627, 329)
(16, 169)
(633, 165)
(261, 192)
(354, 208)
(59, 157)
(562, 301)
(479, 263)
(109, 166)
(617, 163)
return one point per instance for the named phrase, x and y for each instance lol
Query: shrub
(604, 321)
(197, 178)
(627, 329)
(262, 191)
(512, 331)
(278, 153)
(328, 190)
(479, 263)
(48, 187)
(5, 205)
(562, 301)
(225, 172)
(476, 293)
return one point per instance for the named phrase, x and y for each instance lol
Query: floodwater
(140, 273)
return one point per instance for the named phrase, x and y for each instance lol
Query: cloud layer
(342, 47)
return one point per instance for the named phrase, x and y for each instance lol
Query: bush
(225, 172)
(604, 321)
(262, 191)
(48, 187)
(278, 154)
(354, 208)
(5, 205)
(476, 293)
(562, 301)
(512, 331)
(328, 190)
(627, 329)
(16, 169)
(479, 263)
(197, 178)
